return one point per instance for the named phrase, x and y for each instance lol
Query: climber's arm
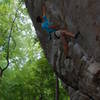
(43, 10)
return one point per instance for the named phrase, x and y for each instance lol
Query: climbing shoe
(77, 34)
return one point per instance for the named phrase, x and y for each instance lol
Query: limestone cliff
(81, 74)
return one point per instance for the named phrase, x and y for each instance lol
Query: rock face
(81, 74)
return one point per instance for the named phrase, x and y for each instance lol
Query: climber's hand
(43, 10)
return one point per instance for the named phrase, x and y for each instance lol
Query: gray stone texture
(81, 74)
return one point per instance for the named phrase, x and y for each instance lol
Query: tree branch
(9, 38)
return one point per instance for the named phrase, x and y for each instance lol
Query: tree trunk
(57, 88)
(81, 74)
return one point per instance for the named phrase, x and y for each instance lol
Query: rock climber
(50, 28)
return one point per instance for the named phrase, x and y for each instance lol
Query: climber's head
(39, 19)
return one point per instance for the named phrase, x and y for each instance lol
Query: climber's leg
(70, 34)
(65, 45)
(66, 33)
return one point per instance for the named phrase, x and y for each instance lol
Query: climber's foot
(77, 34)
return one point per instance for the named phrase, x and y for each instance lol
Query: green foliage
(4, 1)
(28, 82)
(29, 75)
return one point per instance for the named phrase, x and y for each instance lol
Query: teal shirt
(45, 25)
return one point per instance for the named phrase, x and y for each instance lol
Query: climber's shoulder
(45, 18)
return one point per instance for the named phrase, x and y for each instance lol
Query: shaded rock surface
(81, 74)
